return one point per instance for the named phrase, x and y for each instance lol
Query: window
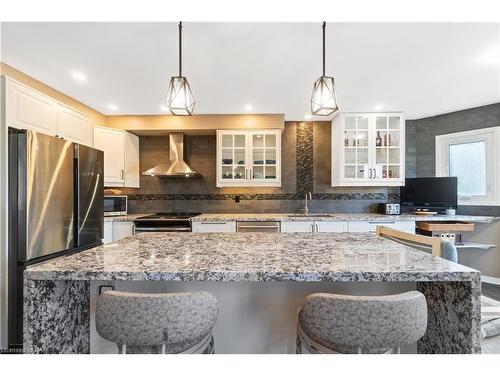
(467, 161)
(471, 156)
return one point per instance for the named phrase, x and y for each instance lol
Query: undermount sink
(309, 215)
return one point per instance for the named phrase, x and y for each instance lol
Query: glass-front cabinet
(249, 157)
(368, 149)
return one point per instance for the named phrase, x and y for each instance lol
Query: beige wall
(152, 124)
(98, 118)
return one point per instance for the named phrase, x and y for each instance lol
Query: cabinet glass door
(233, 157)
(263, 161)
(356, 146)
(387, 147)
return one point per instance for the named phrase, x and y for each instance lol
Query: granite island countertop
(252, 257)
(374, 217)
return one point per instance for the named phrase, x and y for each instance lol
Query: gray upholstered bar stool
(333, 323)
(157, 323)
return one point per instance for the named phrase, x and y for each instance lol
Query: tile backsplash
(306, 158)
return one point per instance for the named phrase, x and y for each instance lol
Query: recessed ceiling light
(78, 76)
(248, 107)
(113, 107)
(307, 116)
(378, 107)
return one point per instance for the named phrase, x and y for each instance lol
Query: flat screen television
(433, 193)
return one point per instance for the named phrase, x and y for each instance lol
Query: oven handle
(161, 229)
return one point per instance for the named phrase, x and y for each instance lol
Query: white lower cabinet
(122, 229)
(108, 232)
(330, 226)
(371, 226)
(214, 227)
(343, 226)
(313, 227)
(297, 227)
(116, 230)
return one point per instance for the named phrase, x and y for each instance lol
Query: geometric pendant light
(180, 100)
(323, 100)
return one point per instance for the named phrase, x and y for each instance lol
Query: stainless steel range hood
(176, 166)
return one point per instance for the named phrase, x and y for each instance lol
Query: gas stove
(165, 222)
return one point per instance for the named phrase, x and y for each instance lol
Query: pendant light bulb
(323, 100)
(180, 99)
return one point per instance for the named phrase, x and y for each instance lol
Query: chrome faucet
(306, 209)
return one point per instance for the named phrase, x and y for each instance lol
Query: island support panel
(454, 317)
(56, 316)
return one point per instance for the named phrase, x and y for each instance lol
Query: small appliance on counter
(115, 205)
(389, 208)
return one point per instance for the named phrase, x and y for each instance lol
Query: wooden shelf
(446, 226)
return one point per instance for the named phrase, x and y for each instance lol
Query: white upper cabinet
(74, 126)
(132, 173)
(29, 109)
(121, 156)
(368, 149)
(249, 157)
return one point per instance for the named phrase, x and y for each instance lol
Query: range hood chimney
(176, 166)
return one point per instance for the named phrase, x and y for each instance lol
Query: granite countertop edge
(284, 217)
(373, 217)
(256, 276)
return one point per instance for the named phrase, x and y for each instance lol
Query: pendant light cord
(180, 49)
(324, 27)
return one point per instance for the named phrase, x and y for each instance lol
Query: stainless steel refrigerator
(55, 207)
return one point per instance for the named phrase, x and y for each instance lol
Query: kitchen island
(57, 293)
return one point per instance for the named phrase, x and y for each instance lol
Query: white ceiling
(422, 69)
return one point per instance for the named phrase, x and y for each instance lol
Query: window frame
(491, 138)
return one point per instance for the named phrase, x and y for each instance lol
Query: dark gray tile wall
(411, 148)
(306, 166)
(421, 147)
(305, 153)
(428, 128)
